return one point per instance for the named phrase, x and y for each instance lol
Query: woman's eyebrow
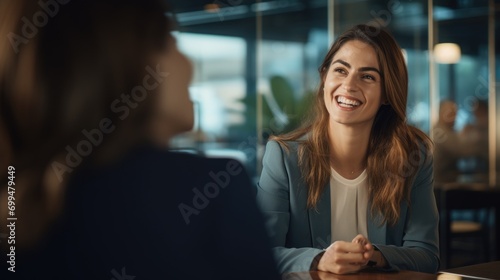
(365, 69)
(345, 63)
(362, 69)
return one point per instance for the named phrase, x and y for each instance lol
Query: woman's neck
(348, 149)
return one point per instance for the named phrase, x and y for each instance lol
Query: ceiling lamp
(447, 53)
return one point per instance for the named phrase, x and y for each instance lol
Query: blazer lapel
(320, 221)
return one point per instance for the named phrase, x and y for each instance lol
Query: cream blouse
(349, 202)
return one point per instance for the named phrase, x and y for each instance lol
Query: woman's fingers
(347, 252)
(346, 257)
(360, 239)
(347, 247)
(342, 257)
(367, 246)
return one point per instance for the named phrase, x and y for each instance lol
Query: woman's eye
(340, 70)
(369, 77)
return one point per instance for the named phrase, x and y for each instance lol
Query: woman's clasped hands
(343, 257)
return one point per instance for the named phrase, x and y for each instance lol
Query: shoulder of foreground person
(156, 215)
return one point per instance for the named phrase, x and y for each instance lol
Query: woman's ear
(322, 74)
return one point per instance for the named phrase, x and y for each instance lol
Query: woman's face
(175, 109)
(352, 86)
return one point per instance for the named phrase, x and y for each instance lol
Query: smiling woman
(352, 90)
(353, 186)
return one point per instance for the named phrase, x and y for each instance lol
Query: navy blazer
(155, 215)
(298, 234)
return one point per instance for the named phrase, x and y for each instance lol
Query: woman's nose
(350, 83)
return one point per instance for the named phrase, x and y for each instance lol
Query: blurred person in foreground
(353, 187)
(89, 100)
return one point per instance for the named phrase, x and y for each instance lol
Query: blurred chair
(470, 236)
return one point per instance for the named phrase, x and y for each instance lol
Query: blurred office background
(256, 68)
(256, 64)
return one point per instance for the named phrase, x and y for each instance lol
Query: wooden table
(366, 275)
(490, 270)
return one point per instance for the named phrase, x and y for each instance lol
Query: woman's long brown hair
(394, 149)
(60, 77)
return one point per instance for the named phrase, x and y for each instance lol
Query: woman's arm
(420, 246)
(274, 201)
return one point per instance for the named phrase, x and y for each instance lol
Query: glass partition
(292, 42)
(219, 38)
(462, 76)
(494, 113)
(256, 67)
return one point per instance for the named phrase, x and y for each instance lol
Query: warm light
(211, 8)
(447, 53)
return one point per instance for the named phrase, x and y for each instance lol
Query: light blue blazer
(298, 234)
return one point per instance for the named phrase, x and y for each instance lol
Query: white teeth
(347, 102)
